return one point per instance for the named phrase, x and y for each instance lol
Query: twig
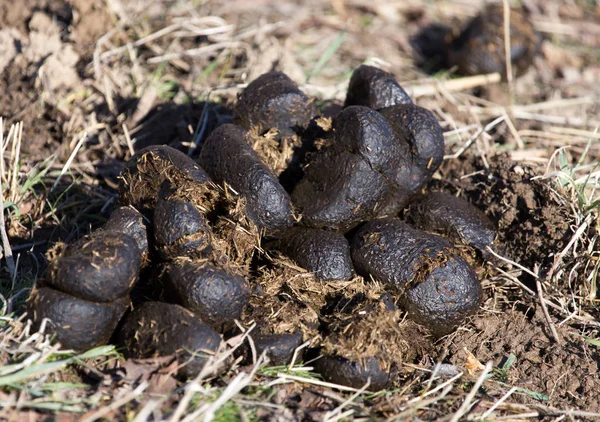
(128, 140)
(453, 85)
(233, 388)
(296, 353)
(589, 321)
(562, 254)
(465, 405)
(18, 136)
(438, 388)
(528, 415)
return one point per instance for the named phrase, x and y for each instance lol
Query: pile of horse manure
(288, 223)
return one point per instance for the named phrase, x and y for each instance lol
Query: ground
(86, 83)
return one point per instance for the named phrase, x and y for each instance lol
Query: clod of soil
(145, 172)
(375, 88)
(213, 294)
(131, 222)
(273, 100)
(78, 324)
(161, 329)
(279, 348)
(342, 371)
(100, 267)
(228, 157)
(376, 162)
(179, 228)
(454, 218)
(437, 286)
(324, 253)
(480, 46)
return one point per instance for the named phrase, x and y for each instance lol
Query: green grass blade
(592, 341)
(537, 396)
(327, 55)
(587, 148)
(42, 368)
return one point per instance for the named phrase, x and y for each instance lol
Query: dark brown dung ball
(100, 267)
(279, 348)
(421, 143)
(77, 323)
(338, 191)
(213, 294)
(228, 157)
(273, 100)
(161, 329)
(145, 172)
(480, 46)
(437, 286)
(180, 229)
(453, 217)
(376, 163)
(129, 221)
(324, 253)
(364, 338)
(342, 371)
(375, 88)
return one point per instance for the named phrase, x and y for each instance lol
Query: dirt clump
(86, 290)
(375, 163)
(273, 101)
(213, 294)
(145, 172)
(365, 338)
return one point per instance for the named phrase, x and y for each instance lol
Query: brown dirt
(567, 373)
(42, 62)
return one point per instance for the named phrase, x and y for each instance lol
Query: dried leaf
(472, 364)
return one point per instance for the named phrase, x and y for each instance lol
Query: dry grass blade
(116, 404)
(69, 161)
(6, 251)
(337, 413)
(507, 54)
(462, 410)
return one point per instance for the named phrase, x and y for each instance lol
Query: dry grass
(188, 52)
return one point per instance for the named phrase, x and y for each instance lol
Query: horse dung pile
(308, 229)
